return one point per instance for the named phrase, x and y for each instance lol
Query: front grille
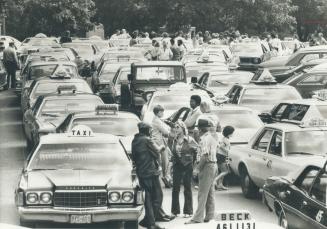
(80, 198)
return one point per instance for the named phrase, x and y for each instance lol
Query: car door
(311, 82)
(256, 161)
(295, 196)
(314, 205)
(277, 164)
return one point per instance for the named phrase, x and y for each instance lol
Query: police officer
(10, 61)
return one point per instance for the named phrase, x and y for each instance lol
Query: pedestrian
(297, 43)
(206, 170)
(166, 38)
(184, 150)
(115, 35)
(124, 34)
(66, 38)
(175, 50)
(153, 52)
(165, 52)
(193, 116)
(321, 40)
(160, 132)
(133, 40)
(145, 154)
(182, 48)
(11, 64)
(222, 157)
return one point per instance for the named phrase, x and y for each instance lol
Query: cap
(204, 123)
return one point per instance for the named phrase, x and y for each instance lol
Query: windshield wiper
(218, 81)
(50, 115)
(301, 153)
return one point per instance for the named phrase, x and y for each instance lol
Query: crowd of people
(193, 151)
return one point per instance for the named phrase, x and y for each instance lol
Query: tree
(51, 17)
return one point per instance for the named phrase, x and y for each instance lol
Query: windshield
(41, 42)
(173, 102)
(238, 119)
(263, 96)
(99, 156)
(297, 142)
(246, 48)
(109, 71)
(115, 126)
(46, 88)
(82, 49)
(226, 79)
(41, 71)
(55, 108)
(160, 73)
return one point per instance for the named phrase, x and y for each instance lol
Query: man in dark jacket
(145, 154)
(11, 63)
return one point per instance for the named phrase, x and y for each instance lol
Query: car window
(276, 144)
(306, 180)
(314, 80)
(279, 111)
(311, 56)
(263, 141)
(318, 190)
(235, 95)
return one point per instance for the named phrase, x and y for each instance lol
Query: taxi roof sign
(66, 88)
(107, 108)
(81, 131)
(263, 76)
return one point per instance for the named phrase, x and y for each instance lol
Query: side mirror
(266, 117)
(194, 79)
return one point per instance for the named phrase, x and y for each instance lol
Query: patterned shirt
(208, 146)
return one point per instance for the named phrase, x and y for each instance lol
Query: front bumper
(248, 66)
(62, 215)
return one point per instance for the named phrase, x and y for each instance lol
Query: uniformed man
(11, 63)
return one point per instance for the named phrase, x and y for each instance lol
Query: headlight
(32, 198)
(114, 197)
(127, 197)
(46, 198)
(256, 60)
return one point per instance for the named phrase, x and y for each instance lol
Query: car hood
(38, 180)
(276, 62)
(50, 123)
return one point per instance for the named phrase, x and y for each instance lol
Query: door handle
(305, 203)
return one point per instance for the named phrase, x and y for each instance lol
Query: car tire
(23, 223)
(131, 224)
(282, 221)
(249, 189)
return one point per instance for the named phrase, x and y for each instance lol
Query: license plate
(236, 225)
(80, 219)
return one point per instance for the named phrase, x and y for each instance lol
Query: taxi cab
(262, 93)
(177, 96)
(79, 177)
(299, 199)
(48, 85)
(278, 149)
(105, 119)
(45, 65)
(50, 110)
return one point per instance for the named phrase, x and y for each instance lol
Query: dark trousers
(11, 74)
(181, 174)
(153, 199)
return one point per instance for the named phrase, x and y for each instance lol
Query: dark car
(299, 199)
(309, 81)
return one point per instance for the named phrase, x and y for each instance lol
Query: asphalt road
(12, 154)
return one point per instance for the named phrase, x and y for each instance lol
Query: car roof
(290, 127)
(82, 96)
(231, 107)
(66, 138)
(313, 48)
(265, 86)
(158, 63)
(66, 80)
(181, 91)
(307, 102)
(94, 114)
(62, 62)
(319, 68)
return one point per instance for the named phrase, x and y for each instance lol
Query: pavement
(12, 155)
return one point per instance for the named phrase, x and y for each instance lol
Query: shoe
(142, 223)
(163, 219)
(155, 227)
(220, 187)
(191, 222)
(171, 217)
(187, 215)
(206, 220)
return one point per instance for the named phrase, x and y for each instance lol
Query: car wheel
(249, 189)
(131, 225)
(282, 221)
(26, 224)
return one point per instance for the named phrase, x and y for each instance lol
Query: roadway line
(6, 109)
(15, 123)
(13, 144)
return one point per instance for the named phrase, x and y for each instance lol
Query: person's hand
(195, 172)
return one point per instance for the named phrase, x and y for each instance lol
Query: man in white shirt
(165, 52)
(194, 115)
